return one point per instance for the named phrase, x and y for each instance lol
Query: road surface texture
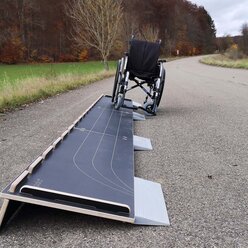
(200, 141)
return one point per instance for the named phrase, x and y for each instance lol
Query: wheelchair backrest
(143, 57)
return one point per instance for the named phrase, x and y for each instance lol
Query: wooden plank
(56, 142)
(17, 181)
(46, 152)
(34, 164)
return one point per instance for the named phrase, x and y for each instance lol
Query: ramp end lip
(34, 189)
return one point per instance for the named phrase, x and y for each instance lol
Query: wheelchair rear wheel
(116, 82)
(161, 89)
(118, 94)
(120, 101)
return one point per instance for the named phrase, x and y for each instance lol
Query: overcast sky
(228, 15)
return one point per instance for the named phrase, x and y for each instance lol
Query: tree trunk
(106, 65)
(20, 4)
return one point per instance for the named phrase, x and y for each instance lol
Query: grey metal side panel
(136, 104)
(150, 208)
(138, 117)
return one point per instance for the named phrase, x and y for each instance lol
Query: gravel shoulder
(200, 141)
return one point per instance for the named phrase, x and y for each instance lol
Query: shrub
(45, 59)
(33, 57)
(118, 50)
(184, 48)
(234, 53)
(84, 55)
(67, 58)
(13, 51)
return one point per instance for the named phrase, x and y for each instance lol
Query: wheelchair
(142, 66)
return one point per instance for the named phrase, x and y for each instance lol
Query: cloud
(228, 15)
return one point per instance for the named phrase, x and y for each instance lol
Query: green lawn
(10, 74)
(21, 84)
(224, 61)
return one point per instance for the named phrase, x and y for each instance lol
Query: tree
(208, 31)
(149, 33)
(181, 24)
(96, 24)
(13, 49)
(44, 31)
(224, 43)
(6, 19)
(129, 23)
(244, 31)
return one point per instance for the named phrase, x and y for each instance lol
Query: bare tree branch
(149, 33)
(96, 23)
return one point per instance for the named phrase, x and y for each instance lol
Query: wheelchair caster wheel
(149, 107)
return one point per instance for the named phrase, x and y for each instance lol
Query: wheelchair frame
(153, 92)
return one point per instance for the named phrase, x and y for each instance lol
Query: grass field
(20, 84)
(223, 61)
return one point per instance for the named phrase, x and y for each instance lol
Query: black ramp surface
(95, 161)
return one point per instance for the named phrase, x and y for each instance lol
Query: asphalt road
(200, 141)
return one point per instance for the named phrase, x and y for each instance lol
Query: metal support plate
(150, 208)
(141, 143)
(138, 117)
(137, 104)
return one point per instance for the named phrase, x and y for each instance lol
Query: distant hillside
(182, 25)
(226, 42)
(39, 30)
